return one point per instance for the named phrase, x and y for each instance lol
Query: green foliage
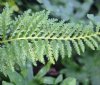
(69, 81)
(39, 79)
(64, 9)
(5, 83)
(22, 77)
(86, 70)
(30, 36)
(21, 5)
(12, 3)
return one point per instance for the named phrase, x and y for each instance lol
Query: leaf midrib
(48, 38)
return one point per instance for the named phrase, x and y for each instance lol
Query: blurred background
(62, 9)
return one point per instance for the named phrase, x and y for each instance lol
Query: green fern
(32, 35)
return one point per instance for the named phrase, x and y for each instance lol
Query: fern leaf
(55, 50)
(76, 46)
(5, 21)
(33, 35)
(69, 48)
(89, 44)
(81, 44)
(61, 49)
(94, 42)
(97, 37)
(50, 52)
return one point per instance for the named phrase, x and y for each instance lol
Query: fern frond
(5, 21)
(33, 35)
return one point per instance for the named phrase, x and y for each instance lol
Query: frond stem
(52, 38)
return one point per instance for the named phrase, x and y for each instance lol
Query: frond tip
(32, 35)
